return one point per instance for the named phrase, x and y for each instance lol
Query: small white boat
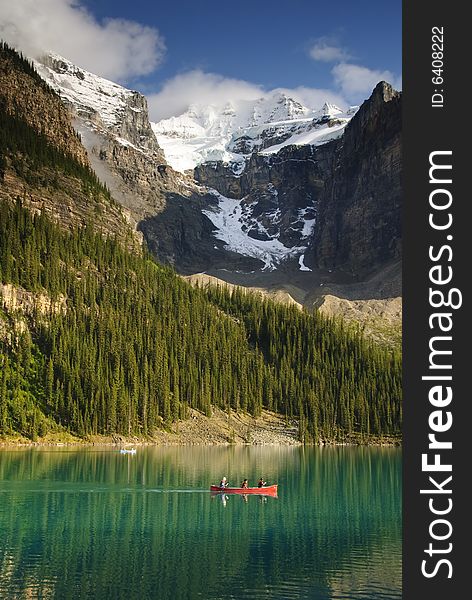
(128, 450)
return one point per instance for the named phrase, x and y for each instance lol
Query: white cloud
(115, 48)
(326, 51)
(198, 87)
(356, 81)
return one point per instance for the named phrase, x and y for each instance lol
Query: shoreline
(49, 442)
(221, 429)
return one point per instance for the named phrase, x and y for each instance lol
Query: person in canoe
(223, 483)
(244, 485)
(261, 483)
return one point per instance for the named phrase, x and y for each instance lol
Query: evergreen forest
(125, 346)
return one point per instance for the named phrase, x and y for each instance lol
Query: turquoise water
(96, 524)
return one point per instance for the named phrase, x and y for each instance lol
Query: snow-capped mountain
(113, 124)
(101, 105)
(224, 145)
(244, 186)
(232, 131)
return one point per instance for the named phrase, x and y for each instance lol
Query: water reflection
(223, 498)
(97, 524)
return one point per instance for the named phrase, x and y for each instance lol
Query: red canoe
(269, 490)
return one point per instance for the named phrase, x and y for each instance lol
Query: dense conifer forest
(126, 346)
(123, 345)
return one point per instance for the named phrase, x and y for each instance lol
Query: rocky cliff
(105, 106)
(338, 202)
(24, 95)
(359, 210)
(279, 191)
(114, 126)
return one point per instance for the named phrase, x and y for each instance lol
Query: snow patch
(228, 218)
(314, 137)
(308, 224)
(85, 91)
(127, 143)
(301, 262)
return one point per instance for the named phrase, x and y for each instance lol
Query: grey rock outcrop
(106, 107)
(181, 235)
(359, 210)
(137, 178)
(350, 186)
(114, 126)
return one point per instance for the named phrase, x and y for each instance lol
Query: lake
(94, 523)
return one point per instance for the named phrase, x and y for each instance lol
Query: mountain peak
(103, 106)
(331, 109)
(89, 94)
(232, 130)
(61, 65)
(385, 91)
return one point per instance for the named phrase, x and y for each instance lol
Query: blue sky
(265, 42)
(339, 49)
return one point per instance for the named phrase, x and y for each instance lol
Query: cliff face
(338, 202)
(137, 178)
(114, 126)
(359, 209)
(182, 235)
(104, 105)
(280, 191)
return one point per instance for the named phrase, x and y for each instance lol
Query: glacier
(230, 132)
(230, 223)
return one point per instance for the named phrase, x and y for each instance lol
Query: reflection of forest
(355, 575)
(96, 524)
